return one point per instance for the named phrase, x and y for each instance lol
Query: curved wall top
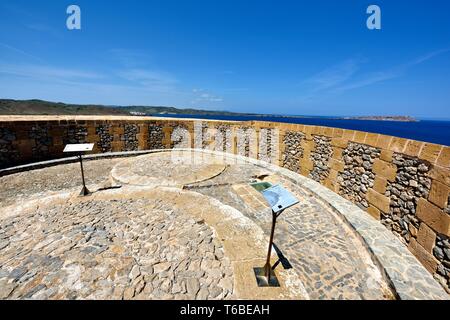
(403, 183)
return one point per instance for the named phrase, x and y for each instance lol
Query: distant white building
(135, 113)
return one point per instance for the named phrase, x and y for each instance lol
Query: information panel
(279, 198)
(79, 147)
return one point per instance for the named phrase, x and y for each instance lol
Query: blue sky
(299, 57)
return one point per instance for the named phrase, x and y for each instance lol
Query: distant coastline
(383, 118)
(41, 107)
(434, 131)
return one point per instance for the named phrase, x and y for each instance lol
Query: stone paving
(327, 257)
(189, 230)
(117, 249)
(18, 187)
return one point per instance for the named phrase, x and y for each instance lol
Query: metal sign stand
(79, 149)
(280, 199)
(265, 276)
(84, 191)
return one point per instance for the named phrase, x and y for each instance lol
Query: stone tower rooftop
(187, 225)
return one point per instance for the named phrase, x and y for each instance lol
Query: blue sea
(424, 130)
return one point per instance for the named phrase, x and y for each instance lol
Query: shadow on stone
(281, 259)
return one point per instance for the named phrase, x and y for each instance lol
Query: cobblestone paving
(329, 259)
(18, 187)
(124, 249)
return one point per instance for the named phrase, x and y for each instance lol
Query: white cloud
(152, 80)
(392, 73)
(46, 72)
(347, 76)
(130, 58)
(204, 97)
(334, 75)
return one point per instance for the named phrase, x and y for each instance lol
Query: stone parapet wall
(403, 183)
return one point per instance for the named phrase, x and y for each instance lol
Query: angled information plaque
(279, 198)
(84, 147)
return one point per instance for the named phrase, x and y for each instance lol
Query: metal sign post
(279, 199)
(80, 149)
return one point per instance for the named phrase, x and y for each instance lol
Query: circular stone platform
(200, 238)
(168, 168)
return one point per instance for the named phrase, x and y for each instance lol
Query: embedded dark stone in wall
(180, 137)
(441, 252)
(411, 183)
(130, 137)
(75, 134)
(293, 151)
(225, 134)
(320, 157)
(155, 137)
(106, 138)
(8, 154)
(266, 151)
(357, 176)
(202, 135)
(42, 142)
(243, 141)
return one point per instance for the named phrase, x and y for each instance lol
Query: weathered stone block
(433, 216)
(327, 131)
(386, 155)
(339, 142)
(383, 141)
(440, 174)
(439, 194)
(337, 153)
(306, 163)
(374, 212)
(332, 185)
(379, 184)
(430, 152)
(397, 144)
(378, 200)
(426, 237)
(413, 148)
(333, 175)
(304, 171)
(360, 136)
(444, 158)
(427, 259)
(412, 230)
(336, 165)
(384, 169)
(348, 134)
(371, 139)
(338, 133)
